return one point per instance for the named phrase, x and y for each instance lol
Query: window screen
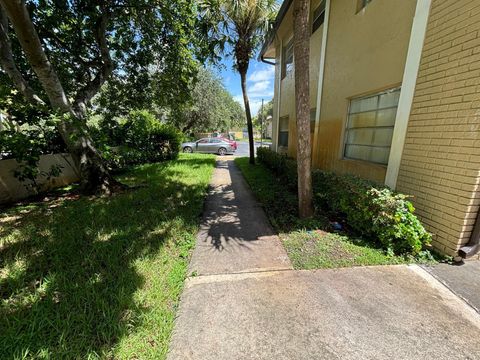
(283, 132)
(318, 16)
(370, 124)
(313, 113)
(287, 64)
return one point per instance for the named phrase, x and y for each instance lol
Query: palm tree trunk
(301, 50)
(243, 76)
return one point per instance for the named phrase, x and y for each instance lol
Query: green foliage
(281, 165)
(307, 248)
(261, 120)
(98, 278)
(211, 108)
(324, 250)
(26, 146)
(372, 211)
(242, 25)
(144, 139)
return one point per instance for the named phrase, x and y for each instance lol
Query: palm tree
(245, 23)
(301, 51)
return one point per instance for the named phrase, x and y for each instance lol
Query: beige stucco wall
(441, 159)
(12, 190)
(366, 53)
(285, 97)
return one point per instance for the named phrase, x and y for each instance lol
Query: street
(242, 149)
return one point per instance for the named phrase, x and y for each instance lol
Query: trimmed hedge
(281, 165)
(144, 140)
(374, 211)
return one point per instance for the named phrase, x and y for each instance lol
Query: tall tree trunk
(243, 76)
(72, 126)
(301, 50)
(94, 174)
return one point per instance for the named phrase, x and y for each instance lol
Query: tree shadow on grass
(69, 275)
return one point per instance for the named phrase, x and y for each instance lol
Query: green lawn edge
(101, 277)
(309, 243)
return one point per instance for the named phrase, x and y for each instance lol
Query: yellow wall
(287, 85)
(366, 53)
(441, 158)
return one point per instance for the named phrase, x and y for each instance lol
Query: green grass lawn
(95, 278)
(309, 243)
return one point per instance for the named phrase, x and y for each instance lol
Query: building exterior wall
(284, 96)
(365, 53)
(441, 158)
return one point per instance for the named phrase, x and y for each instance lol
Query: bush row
(372, 210)
(144, 139)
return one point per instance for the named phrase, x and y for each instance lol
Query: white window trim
(415, 47)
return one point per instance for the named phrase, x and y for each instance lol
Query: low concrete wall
(11, 189)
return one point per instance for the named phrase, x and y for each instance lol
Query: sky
(260, 79)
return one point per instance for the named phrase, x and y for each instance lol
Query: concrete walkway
(244, 301)
(235, 235)
(463, 279)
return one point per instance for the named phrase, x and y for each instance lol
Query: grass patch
(311, 243)
(101, 277)
(322, 250)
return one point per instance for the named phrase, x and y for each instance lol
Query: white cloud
(255, 106)
(255, 103)
(263, 75)
(239, 99)
(259, 87)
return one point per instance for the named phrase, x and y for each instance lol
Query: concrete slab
(235, 235)
(463, 279)
(394, 312)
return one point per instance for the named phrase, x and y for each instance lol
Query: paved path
(235, 235)
(245, 302)
(463, 279)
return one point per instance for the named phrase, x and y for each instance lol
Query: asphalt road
(242, 149)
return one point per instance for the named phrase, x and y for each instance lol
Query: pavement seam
(466, 310)
(222, 277)
(445, 284)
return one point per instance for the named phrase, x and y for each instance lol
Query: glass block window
(370, 124)
(287, 64)
(318, 16)
(283, 131)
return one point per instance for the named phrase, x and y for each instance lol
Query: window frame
(321, 14)
(287, 118)
(377, 109)
(287, 68)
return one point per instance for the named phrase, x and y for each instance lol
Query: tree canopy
(59, 54)
(242, 24)
(211, 107)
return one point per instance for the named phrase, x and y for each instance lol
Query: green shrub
(280, 165)
(144, 140)
(373, 211)
(26, 146)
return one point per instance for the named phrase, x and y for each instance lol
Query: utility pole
(261, 126)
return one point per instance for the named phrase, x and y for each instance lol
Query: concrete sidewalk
(245, 302)
(235, 235)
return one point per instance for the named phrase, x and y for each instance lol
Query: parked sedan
(209, 145)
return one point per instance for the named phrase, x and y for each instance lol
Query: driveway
(243, 300)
